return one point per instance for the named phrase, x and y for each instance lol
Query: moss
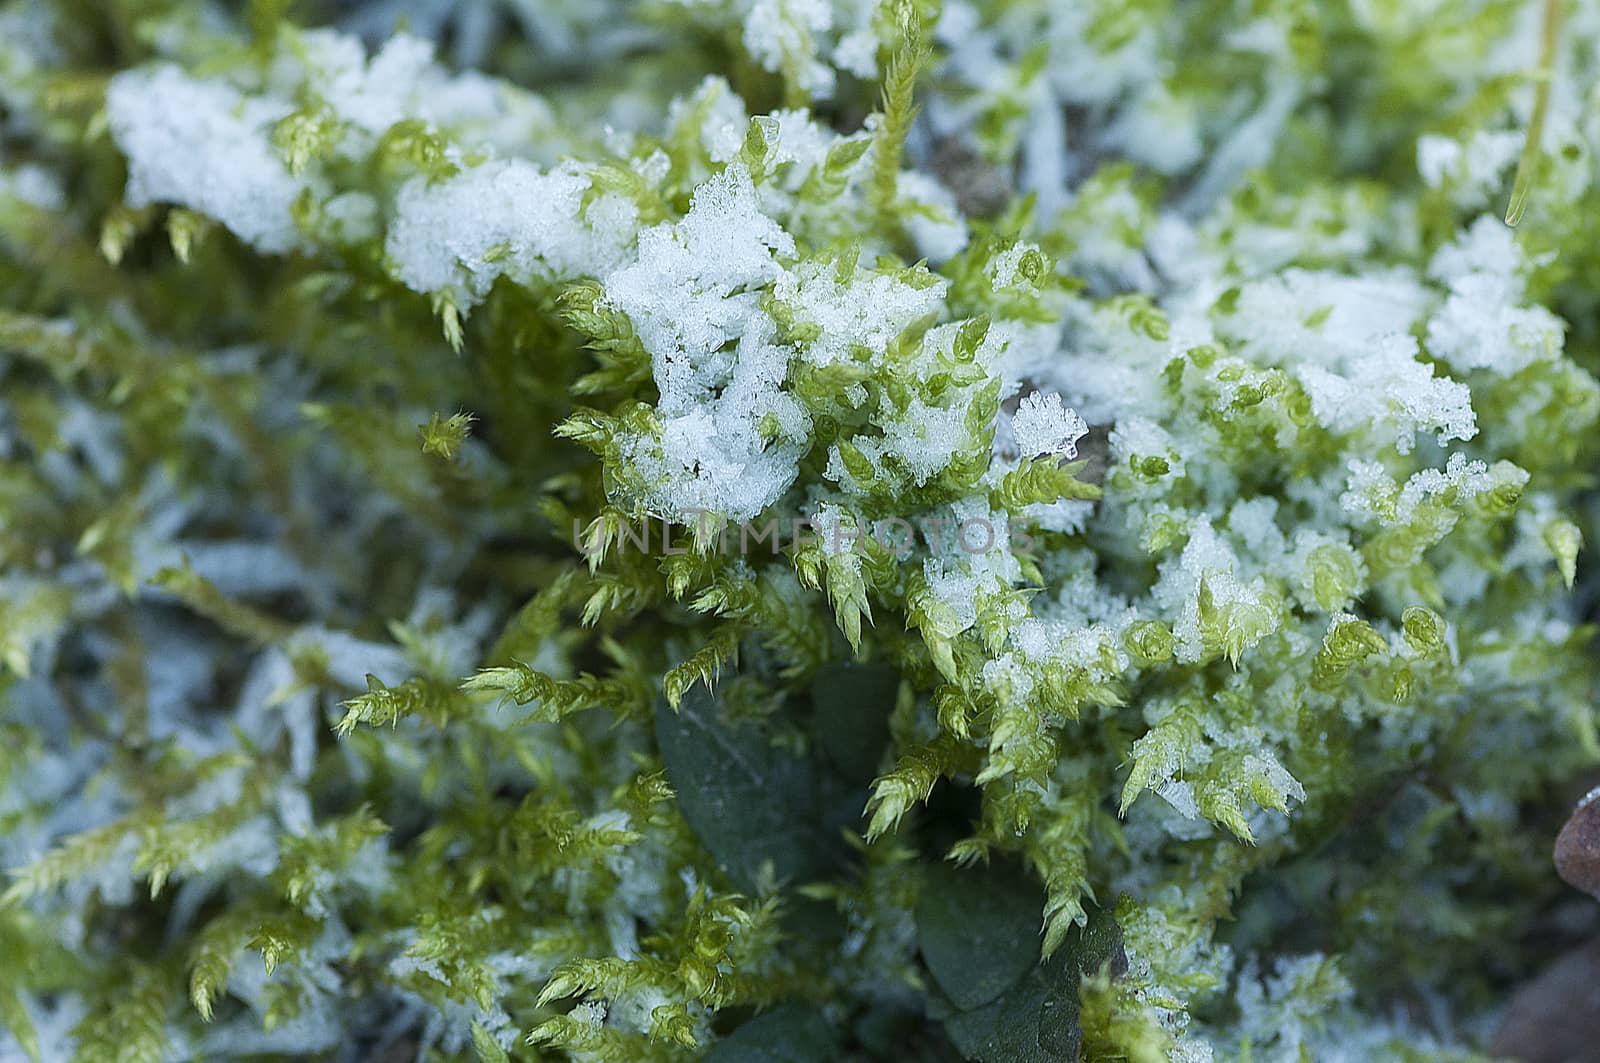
(601, 573)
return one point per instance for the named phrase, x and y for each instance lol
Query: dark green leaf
(790, 1034)
(979, 930)
(1036, 1019)
(852, 705)
(748, 802)
(887, 1027)
(1006, 1030)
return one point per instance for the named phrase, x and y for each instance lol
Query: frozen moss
(620, 532)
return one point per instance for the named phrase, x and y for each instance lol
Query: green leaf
(978, 930)
(1036, 1019)
(790, 1034)
(485, 1046)
(443, 436)
(1009, 1030)
(14, 1017)
(850, 718)
(1522, 184)
(750, 803)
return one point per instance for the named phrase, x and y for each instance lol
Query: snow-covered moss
(1003, 530)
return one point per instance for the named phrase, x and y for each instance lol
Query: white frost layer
(731, 436)
(1480, 325)
(1347, 340)
(693, 287)
(203, 145)
(510, 218)
(868, 312)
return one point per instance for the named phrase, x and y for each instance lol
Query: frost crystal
(1044, 426)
